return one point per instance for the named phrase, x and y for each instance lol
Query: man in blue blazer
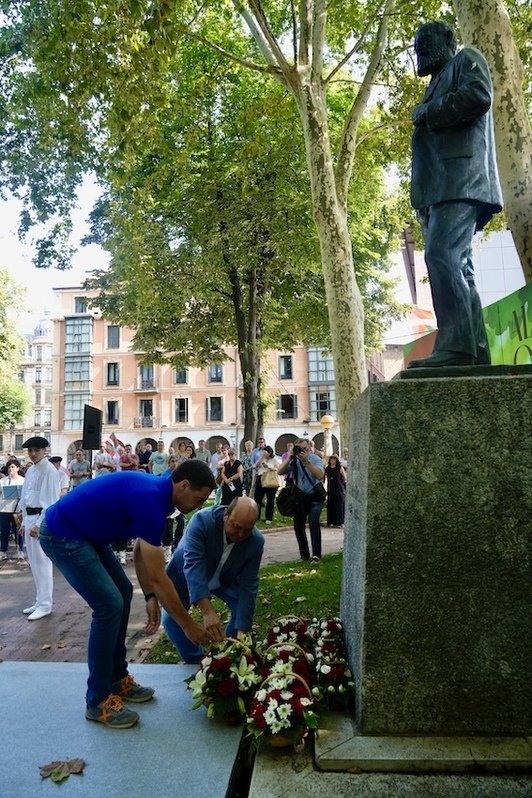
(455, 187)
(220, 555)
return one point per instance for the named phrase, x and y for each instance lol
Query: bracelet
(148, 596)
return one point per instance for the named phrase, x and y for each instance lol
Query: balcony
(146, 385)
(145, 421)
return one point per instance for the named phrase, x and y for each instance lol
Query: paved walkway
(62, 636)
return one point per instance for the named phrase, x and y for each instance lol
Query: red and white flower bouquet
(226, 680)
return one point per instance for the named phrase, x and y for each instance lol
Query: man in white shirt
(39, 491)
(103, 462)
(64, 478)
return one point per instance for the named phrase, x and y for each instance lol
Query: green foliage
(281, 589)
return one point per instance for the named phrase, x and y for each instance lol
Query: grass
(292, 588)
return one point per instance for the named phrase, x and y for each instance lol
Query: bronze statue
(455, 187)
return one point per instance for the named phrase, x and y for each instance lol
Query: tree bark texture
(485, 24)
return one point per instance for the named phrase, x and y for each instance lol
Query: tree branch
(305, 28)
(355, 47)
(294, 30)
(272, 69)
(318, 37)
(267, 35)
(349, 137)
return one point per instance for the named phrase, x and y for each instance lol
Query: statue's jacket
(453, 154)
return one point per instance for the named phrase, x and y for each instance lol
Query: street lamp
(327, 422)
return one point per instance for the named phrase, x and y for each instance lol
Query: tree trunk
(344, 301)
(485, 24)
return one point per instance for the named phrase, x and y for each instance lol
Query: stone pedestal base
(339, 747)
(437, 575)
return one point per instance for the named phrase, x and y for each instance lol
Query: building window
(19, 440)
(113, 336)
(22, 375)
(38, 354)
(181, 376)
(322, 403)
(113, 374)
(37, 396)
(78, 335)
(287, 405)
(111, 412)
(285, 367)
(77, 374)
(216, 372)
(38, 374)
(146, 377)
(80, 305)
(74, 407)
(146, 413)
(214, 408)
(48, 396)
(48, 374)
(37, 419)
(181, 411)
(320, 367)
(47, 418)
(1, 442)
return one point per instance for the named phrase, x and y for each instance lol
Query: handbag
(319, 492)
(271, 479)
(290, 501)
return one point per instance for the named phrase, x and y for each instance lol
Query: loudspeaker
(92, 428)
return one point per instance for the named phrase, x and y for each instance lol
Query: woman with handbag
(231, 478)
(268, 481)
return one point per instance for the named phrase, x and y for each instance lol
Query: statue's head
(434, 44)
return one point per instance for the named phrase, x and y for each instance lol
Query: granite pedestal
(437, 580)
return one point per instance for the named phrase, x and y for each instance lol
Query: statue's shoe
(442, 358)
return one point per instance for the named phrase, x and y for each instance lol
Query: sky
(17, 258)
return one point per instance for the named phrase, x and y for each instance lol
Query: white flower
(276, 727)
(260, 695)
(270, 716)
(316, 691)
(284, 711)
(325, 669)
(273, 704)
(341, 688)
(305, 702)
(331, 688)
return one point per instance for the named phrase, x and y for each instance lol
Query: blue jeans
(95, 573)
(189, 652)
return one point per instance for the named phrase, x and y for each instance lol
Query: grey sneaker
(128, 690)
(112, 713)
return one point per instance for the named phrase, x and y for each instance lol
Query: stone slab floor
(172, 752)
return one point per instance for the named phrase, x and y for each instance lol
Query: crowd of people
(217, 553)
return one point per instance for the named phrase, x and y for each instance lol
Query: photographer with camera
(306, 470)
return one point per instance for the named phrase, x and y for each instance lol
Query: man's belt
(33, 510)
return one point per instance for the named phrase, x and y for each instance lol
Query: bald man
(218, 555)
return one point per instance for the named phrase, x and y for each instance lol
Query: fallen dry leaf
(59, 770)
(46, 646)
(62, 644)
(299, 599)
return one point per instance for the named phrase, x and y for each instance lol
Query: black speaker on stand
(92, 428)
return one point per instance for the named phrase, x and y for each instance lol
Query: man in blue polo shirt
(76, 535)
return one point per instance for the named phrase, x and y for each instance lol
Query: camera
(298, 449)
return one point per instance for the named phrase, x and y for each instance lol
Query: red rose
(222, 662)
(226, 687)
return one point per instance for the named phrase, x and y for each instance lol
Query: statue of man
(455, 187)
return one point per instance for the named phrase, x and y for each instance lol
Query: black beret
(36, 442)
(55, 459)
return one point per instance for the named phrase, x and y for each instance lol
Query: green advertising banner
(509, 327)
